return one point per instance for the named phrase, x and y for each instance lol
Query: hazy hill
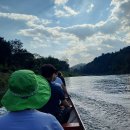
(77, 67)
(110, 63)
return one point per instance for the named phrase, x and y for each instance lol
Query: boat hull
(74, 122)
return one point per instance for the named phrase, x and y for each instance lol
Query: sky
(77, 30)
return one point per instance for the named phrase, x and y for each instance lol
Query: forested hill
(110, 63)
(13, 57)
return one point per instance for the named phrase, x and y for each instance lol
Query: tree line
(109, 63)
(13, 57)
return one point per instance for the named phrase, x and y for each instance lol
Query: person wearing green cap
(26, 93)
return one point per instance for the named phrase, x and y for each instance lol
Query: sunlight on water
(102, 101)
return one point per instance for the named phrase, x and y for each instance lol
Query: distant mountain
(77, 67)
(110, 63)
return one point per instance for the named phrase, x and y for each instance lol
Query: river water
(103, 102)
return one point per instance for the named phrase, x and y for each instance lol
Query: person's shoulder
(46, 117)
(56, 88)
(42, 116)
(55, 85)
(54, 123)
(58, 79)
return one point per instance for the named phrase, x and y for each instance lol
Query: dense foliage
(110, 63)
(13, 57)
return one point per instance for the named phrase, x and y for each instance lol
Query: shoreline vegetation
(13, 57)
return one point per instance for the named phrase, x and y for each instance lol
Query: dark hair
(59, 74)
(47, 70)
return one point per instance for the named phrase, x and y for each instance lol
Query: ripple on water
(101, 115)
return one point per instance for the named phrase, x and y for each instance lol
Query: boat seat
(71, 126)
(66, 97)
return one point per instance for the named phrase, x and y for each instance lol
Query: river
(103, 102)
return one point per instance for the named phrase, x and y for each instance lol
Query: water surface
(102, 101)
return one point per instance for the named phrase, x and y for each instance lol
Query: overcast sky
(78, 30)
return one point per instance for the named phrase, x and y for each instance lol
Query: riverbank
(3, 83)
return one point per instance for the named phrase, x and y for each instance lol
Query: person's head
(49, 72)
(59, 74)
(26, 91)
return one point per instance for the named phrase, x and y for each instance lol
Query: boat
(74, 122)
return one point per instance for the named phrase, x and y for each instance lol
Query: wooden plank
(71, 126)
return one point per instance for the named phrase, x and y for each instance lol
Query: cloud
(117, 23)
(65, 12)
(82, 41)
(86, 41)
(15, 16)
(74, 51)
(127, 38)
(30, 20)
(60, 13)
(4, 7)
(38, 43)
(70, 11)
(89, 40)
(90, 8)
(38, 22)
(108, 27)
(49, 36)
(121, 10)
(60, 2)
(83, 31)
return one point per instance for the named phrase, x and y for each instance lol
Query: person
(48, 71)
(3, 111)
(27, 92)
(59, 81)
(60, 75)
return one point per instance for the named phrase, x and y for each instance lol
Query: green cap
(26, 91)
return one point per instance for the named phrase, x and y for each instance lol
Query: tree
(16, 46)
(5, 52)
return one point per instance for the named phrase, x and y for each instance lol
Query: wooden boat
(74, 122)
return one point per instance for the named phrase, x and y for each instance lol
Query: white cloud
(81, 43)
(121, 10)
(83, 31)
(38, 43)
(90, 8)
(127, 37)
(30, 20)
(65, 12)
(75, 51)
(116, 24)
(15, 16)
(38, 22)
(86, 41)
(70, 11)
(60, 2)
(60, 13)
(39, 32)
